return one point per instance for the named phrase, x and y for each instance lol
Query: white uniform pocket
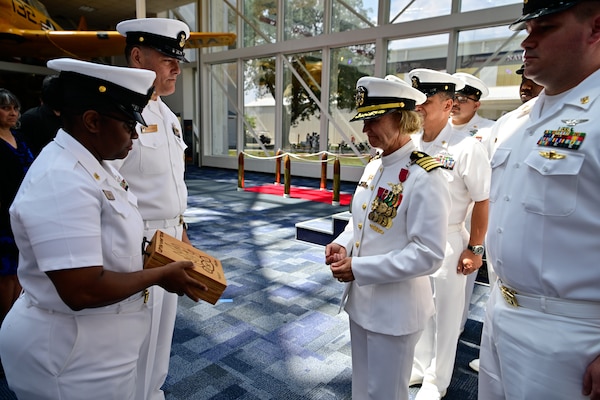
(122, 232)
(154, 149)
(552, 183)
(498, 164)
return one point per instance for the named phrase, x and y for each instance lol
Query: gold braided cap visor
(376, 110)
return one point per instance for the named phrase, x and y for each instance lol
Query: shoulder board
(377, 156)
(424, 161)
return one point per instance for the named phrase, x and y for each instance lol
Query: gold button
(364, 206)
(372, 187)
(357, 244)
(360, 226)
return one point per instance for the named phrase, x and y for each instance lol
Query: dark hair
(128, 49)
(444, 94)
(8, 98)
(585, 9)
(49, 92)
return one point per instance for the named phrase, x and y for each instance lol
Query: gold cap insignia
(415, 81)
(181, 39)
(361, 94)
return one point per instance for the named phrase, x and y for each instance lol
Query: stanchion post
(240, 172)
(287, 175)
(278, 167)
(336, 182)
(323, 171)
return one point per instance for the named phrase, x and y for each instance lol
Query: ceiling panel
(106, 14)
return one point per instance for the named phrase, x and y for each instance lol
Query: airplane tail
(82, 26)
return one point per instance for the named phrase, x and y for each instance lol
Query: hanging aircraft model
(27, 30)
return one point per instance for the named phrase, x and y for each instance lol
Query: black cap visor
(521, 22)
(82, 92)
(168, 46)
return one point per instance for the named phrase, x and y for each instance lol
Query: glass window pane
(223, 115)
(303, 18)
(405, 55)
(222, 19)
(348, 64)
(259, 106)
(471, 5)
(259, 26)
(187, 14)
(348, 15)
(301, 98)
(411, 10)
(493, 55)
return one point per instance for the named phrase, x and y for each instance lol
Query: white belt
(550, 305)
(163, 223)
(131, 304)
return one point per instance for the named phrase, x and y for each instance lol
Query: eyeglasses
(129, 124)
(463, 99)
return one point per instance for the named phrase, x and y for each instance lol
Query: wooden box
(164, 249)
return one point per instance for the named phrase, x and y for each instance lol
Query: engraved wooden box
(164, 249)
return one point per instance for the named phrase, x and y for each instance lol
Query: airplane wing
(85, 45)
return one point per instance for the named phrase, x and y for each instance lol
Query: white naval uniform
(480, 128)
(543, 242)
(390, 299)
(468, 170)
(71, 212)
(498, 129)
(154, 170)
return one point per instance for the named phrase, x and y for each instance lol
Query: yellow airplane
(26, 30)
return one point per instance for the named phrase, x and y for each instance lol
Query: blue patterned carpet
(276, 332)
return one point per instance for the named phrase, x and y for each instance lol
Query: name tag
(150, 128)
(109, 195)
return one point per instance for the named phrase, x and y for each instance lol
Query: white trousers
(530, 355)
(156, 352)
(381, 364)
(469, 287)
(436, 350)
(55, 356)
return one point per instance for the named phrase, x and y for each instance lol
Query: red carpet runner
(322, 196)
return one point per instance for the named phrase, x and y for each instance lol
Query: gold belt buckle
(509, 296)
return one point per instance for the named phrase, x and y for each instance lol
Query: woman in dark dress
(15, 159)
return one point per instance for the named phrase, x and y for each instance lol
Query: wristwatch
(478, 249)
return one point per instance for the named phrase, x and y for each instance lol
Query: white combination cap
(85, 85)
(430, 81)
(376, 97)
(473, 85)
(165, 35)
